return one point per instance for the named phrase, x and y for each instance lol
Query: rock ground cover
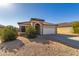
(39, 49)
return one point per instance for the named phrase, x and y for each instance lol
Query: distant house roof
(66, 24)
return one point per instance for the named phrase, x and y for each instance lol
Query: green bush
(75, 27)
(31, 32)
(9, 33)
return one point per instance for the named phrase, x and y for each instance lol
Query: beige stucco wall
(44, 29)
(65, 30)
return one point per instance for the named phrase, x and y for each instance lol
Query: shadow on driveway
(70, 40)
(64, 39)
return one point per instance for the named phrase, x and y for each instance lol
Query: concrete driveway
(70, 40)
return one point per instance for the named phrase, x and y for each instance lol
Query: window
(22, 28)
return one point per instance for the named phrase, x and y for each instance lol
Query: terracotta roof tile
(66, 24)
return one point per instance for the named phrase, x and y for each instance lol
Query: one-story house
(43, 27)
(46, 28)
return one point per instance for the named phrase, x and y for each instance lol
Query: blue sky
(53, 13)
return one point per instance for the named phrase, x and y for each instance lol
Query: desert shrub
(75, 27)
(9, 33)
(31, 32)
(1, 31)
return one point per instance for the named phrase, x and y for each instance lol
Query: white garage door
(49, 30)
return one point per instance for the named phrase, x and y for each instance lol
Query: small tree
(76, 27)
(31, 32)
(9, 33)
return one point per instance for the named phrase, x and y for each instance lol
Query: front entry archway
(37, 27)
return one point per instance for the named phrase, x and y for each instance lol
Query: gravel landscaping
(24, 47)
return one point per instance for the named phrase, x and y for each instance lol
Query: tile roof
(24, 22)
(36, 19)
(50, 24)
(65, 24)
(44, 23)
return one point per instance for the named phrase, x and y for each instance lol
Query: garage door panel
(48, 30)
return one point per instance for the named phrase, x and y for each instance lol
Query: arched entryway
(37, 27)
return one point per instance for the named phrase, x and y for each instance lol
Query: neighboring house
(65, 28)
(42, 26)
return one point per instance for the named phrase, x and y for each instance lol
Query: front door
(37, 27)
